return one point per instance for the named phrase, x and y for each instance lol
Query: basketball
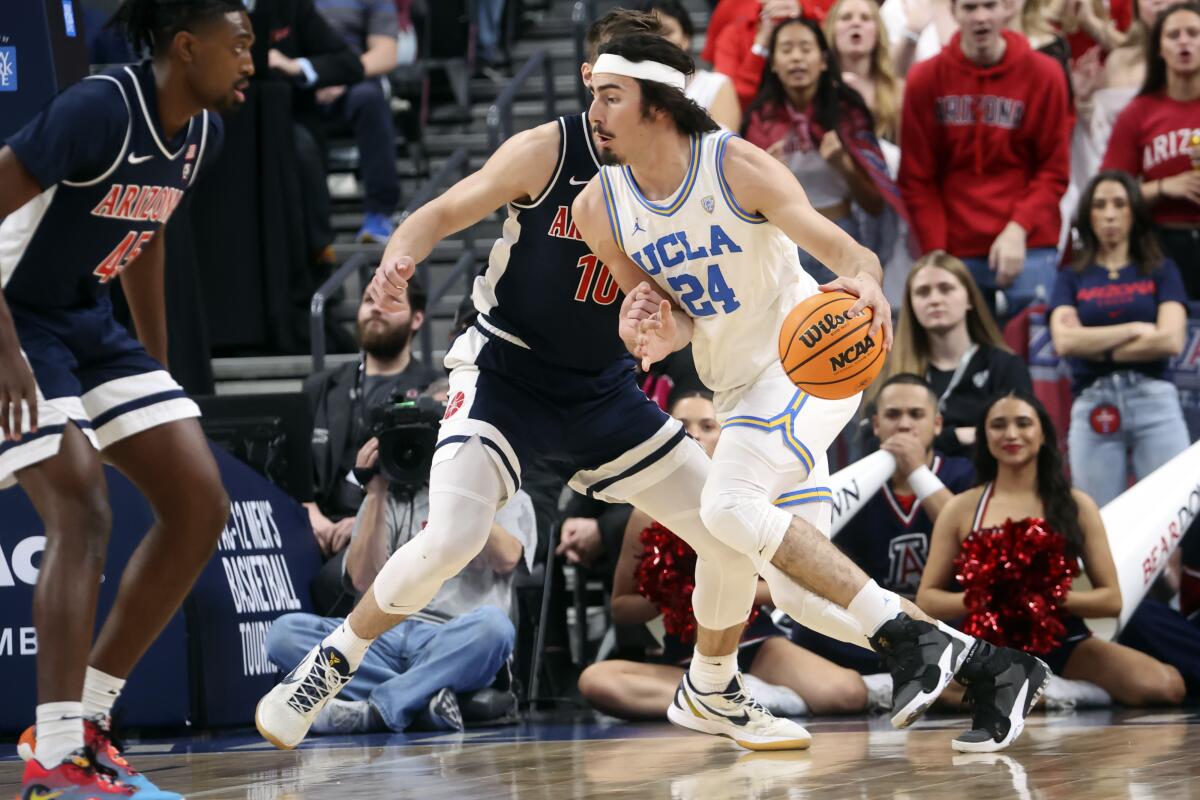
(826, 354)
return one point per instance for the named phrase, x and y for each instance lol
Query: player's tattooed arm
(650, 324)
(520, 169)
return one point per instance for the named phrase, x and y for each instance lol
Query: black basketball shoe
(1003, 685)
(922, 659)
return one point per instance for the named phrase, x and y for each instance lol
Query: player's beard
(610, 159)
(384, 342)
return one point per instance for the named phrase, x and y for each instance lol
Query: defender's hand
(656, 336)
(870, 295)
(389, 286)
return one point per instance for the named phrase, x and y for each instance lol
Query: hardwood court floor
(1130, 755)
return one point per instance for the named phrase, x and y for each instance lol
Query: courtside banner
(857, 483)
(157, 692)
(209, 665)
(1146, 523)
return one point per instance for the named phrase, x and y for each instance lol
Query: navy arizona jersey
(542, 285)
(889, 537)
(109, 180)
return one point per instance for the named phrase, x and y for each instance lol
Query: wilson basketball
(826, 354)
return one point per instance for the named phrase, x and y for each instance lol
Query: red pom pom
(666, 575)
(1015, 579)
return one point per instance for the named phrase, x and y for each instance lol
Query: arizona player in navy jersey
(889, 536)
(543, 375)
(85, 189)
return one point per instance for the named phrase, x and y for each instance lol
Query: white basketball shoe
(735, 714)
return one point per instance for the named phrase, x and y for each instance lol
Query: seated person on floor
(456, 644)
(1025, 512)
(889, 536)
(342, 398)
(787, 679)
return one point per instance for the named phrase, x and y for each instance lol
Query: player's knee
(1160, 686)
(726, 513)
(82, 517)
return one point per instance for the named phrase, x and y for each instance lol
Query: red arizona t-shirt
(1152, 139)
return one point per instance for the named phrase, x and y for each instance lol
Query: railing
(583, 14)
(457, 165)
(500, 113)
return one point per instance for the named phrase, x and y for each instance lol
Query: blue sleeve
(76, 137)
(1064, 289)
(1170, 284)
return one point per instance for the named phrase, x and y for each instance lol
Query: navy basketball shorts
(599, 431)
(91, 372)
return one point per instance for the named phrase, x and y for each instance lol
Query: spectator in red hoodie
(985, 158)
(1157, 137)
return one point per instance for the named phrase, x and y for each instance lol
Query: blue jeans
(410, 663)
(1152, 432)
(1034, 284)
(366, 108)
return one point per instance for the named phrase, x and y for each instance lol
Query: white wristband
(924, 483)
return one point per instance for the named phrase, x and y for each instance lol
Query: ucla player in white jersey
(714, 222)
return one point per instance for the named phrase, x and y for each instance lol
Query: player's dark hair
(1058, 504)
(907, 379)
(1144, 249)
(833, 97)
(1156, 65)
(617, 24)
(150, 25)
(690, 118)
(669, 8)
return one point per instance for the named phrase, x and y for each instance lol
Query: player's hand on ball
(389, 287)
(870, 296)
(656, 336)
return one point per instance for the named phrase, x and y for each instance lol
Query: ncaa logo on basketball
(453, 405)
(851, 354)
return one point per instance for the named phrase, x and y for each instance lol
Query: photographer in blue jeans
(1118, 315)
(456, 644)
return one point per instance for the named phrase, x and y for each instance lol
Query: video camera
(407, 433)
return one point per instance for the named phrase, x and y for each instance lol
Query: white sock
(873, 606)
(879, 691)
(782, 701)
(100, 693)
(59, 732)
(348, 643)
(712, 673)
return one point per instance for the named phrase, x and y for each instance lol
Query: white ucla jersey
(734, 272)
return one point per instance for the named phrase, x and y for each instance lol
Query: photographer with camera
(342, 398)
(456, 644)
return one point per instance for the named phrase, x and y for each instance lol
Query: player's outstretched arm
(765, 186)
(650, 325)
(521, 168)
(18, 391)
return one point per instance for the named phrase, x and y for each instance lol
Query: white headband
(646, 70)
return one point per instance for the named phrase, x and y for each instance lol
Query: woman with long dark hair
(808, 118)
(1024, 503)
(1118, 315)
(1156, 138)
